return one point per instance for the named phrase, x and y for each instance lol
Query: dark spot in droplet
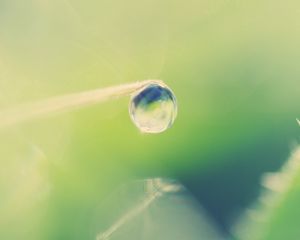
(152, 94)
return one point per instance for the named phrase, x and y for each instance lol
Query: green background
(233, 65)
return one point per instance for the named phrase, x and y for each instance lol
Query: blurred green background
(233, 65)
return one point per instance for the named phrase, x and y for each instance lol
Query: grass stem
(68, 102)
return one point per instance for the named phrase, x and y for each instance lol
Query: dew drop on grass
(153, 109)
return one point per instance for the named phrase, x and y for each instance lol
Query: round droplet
(153, 109)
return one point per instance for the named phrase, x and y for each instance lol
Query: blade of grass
(275, 215)
(46, 107)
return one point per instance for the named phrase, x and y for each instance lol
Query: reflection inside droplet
(153, 109)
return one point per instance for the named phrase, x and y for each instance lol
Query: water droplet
(153, 109)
